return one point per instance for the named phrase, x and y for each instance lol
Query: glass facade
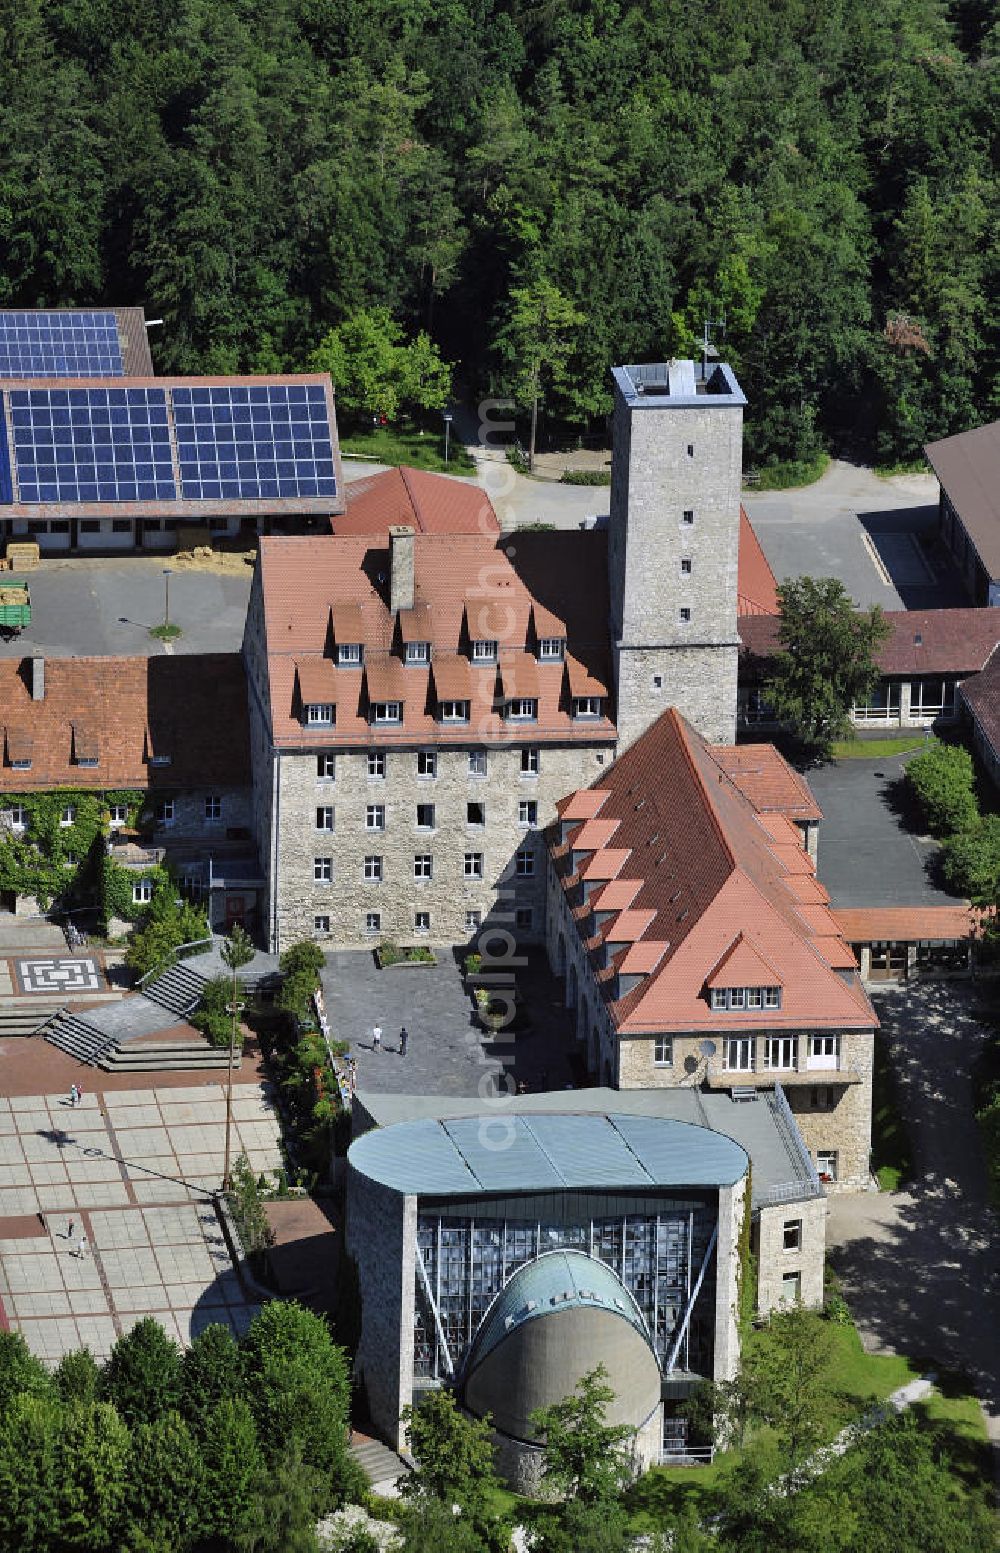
(655, 1245)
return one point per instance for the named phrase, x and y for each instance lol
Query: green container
(15, 603)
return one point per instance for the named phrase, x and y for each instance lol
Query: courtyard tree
(211, 1372)
(943, 781)
(377, 372)
(585, 1456)
(235, 1469)
(454, 1456)
(93, 1476)
(166, 1487)
(788, 1372)
(535, 340)
(826, 661)
(143, 1374)
(20, 1371)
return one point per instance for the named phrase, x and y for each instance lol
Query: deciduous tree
(826, 660)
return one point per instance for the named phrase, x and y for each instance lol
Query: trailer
(15, 606)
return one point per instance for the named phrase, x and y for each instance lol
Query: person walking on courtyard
(81, 1249)
(377, 1039)
(72, 1095)
(404, 1041)
(71, 1226)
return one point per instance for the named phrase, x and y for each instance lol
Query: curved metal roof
(554, 1281)
(503, 1152)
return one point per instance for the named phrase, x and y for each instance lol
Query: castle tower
(673, 545)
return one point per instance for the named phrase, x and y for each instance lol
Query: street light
(167, 574)
(447, 431)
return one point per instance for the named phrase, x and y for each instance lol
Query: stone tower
(673, 545)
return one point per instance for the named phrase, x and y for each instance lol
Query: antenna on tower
(707, 348)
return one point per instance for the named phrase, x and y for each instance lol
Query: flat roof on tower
(678, 385)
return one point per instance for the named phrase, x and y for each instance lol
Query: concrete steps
(77, 1037)
(165, 1057)
(377, 1461)
(178, 989)
(25, 1018)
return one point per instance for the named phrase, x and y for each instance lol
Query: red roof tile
(756, 588)
(982, 697)
(430, 503)
(582, 805)
(922, 641)
(769, 782)
(743, 965)
(905, 924)
(317, 679)
(453, 677)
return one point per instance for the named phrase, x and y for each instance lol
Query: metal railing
(685, 1455)
(182, 952)
(784, 1110)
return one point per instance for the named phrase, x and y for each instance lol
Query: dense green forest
(256, 171)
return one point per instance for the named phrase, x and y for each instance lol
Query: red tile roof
(430, 503)
(721, 881)
(466, 587)
(743, 965)
(756, 588)
(904, 924)
(191, 708)
(982, 697)
(922, 641)
(769, 782)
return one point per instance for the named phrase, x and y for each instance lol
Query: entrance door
(236, 911)
(888, 962)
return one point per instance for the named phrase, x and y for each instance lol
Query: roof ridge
(682, 727)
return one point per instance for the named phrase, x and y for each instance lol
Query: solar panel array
(269, 440)
(92, 444)
(60, 345)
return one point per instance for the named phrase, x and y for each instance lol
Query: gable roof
(190, 709)
(428, 503)
(968, 467)
(756, 588)
(720, 881)
(921, 641)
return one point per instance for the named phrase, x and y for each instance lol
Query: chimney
(400, 567)
(38, 679)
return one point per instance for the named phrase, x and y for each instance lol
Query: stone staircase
(177, 989)
(25, 1016)
(379, 1464)
(166, 1056)
(77, 1037)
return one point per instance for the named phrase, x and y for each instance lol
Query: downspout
(275, 847)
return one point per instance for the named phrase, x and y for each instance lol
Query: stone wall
(732, 1207)
(381, 1236)
(189, 821)
(839, 1116)
(807, 1259)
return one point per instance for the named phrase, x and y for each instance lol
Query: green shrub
(389, 954)
(304, 957)
(970, 861)
(473, 964)
(213, 1018)
(246, 1202)
(585, 477)
(296, 996)
(943, 780)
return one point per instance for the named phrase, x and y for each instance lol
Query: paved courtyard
(135, 1170)
(867, 855)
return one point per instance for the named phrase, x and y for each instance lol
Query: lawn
(877, 749)
(408, 444)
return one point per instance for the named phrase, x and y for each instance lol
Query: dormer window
(587, 706)
(551, 649)
(387, 711)
(319, 713)
(484, 651)
(418, 652)
(349, 655)
(154, 760)
(454, 711)
(522, 709)
(737, 999)
(23, 763)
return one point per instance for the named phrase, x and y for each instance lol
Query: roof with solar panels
(87, 431)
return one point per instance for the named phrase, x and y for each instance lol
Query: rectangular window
(525, 863)
(319, 712)
(165, 811)
(119, 815)
(738, 1054)
(527, 812)
(373, 870)
(772, 997)
(663, 1051)
(685, 566)
(425, 816)
(375, 816)
(454, 711)
(473, 865)
(685, 615)
(791, 1288)
(376, 763)
(322, 870)
(349, 654)
(67, 815)
(524, 918)
(826, 1164)
(421, 921)
(791, 1235)
(550, 649)
(477, 763)
(142, 892)
(687, 516)
(737, 997)
(587, 706)
(423, 866)
(824, 1051)
(321, 924)
(373, 922)
(326, 767)
(21, 764)
(473, 921)
(324, 817)
(522, 709)
(388, 711)
(484, 652)
(718, 997)
(781, 1052)
(755, 997)
(690, 450)
(418, 652)
(530, 762)
(121, 526)
(213, 808)
(427, 763)
(475, 814)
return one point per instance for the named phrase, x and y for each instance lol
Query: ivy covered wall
(58, 856)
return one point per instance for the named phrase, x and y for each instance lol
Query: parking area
(868, 855)
(133, 1171)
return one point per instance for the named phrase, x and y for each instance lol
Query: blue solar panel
(92, 444)
(6, 484)
(270, 440)
(60, 345)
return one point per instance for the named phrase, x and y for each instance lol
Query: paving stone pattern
(135, 1170)
(64, 976)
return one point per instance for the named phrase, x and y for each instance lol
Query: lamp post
(236, 950)
(447, 432)
(167, 574)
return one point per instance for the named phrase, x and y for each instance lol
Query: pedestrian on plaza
(377, 1039)
(72, 1094)
(79, 1095)
(81, 1249)
(71, 1226)
(404, 1041)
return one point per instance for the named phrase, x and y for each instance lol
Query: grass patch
(892, 1161)
(585, 477)
(166, 633)
(786, 476)
(905, 466)
(408, 444)
(877, 749)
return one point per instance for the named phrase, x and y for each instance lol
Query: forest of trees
(256, 171)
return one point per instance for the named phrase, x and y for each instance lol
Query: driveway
(919, 1267)
(867, 855)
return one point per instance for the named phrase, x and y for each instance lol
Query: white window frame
(824, 1053)
(736, 998)
(663, 1051)
(791, 1288)
(374, 871)
(67, 816)
(772, 997)
(778, 1048)
(373, 922)
(791, 1235)
(321, 924)
(524, 863)
(588, 706)
(387, 712)
(687, 517)
(473, 865)
(686, 564)
(326, 768)
(742, 1048)
(473, 919)
(454, 711)
(484, 650)
(322, 870)
(827, 1163)
(418, 654)
(551, 649)
(164, 812)
(427, 759)
(531, 761)
(475, 803)
(479, 764)
(325, 818)
(319, 713)
(349, 655)
(119, 815)
(522, 709)
(421, 921)
(375, 816)
(142, 892)
(213, 807)
(377, 765)
(685, 614)
(527, 813)
(423, 865)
